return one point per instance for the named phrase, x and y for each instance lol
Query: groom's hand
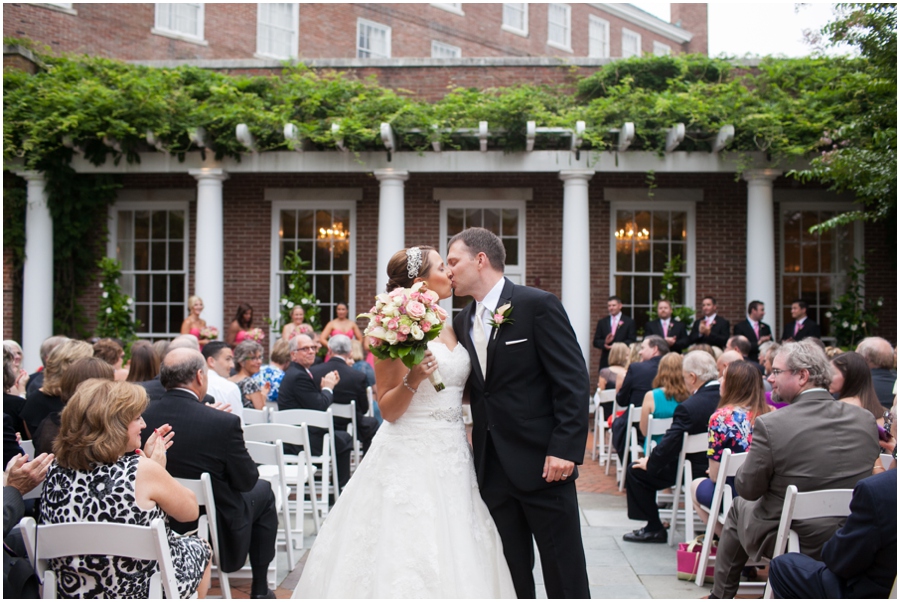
(556, 469)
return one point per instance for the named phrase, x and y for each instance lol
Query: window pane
(175, 318)
(660, 229)
(660, 256)
(158, 322)
(176, 225)
(341, 289)
(642, 290)
(287, 227)
(641, 256)
(791, 256)
(473, 218)
(791, 290)
(623, 289)
(492, 220)
(624, 250)
(141, 256)
(159, 288)
(510, 222)
(323, 288)
(455, 221)
(305, 249)
(158, 224)
(176, 255)
(512, 250)
(679, 226)
(679, 250)
(176, 290)
(141, 225)
(158, 256)
(810, 256)
(306, 224)
(142, 313)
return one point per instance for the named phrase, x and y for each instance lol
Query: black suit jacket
(299, 391)
(718, 334)
(864, 551)
(745, 329)
(625, 333)
(638, 380)
(809, 329)
(677, 329)
(884, 381)
(352, 386)
(534, 398)
(692, 417)
(209, 440)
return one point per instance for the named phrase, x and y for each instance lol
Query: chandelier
(334, 239)
(631, 233)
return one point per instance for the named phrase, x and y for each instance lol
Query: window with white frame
(559, 26)
(631, 43)
(645, 237)
(660, 49)
(182, 20)
(450, 7)
(323, 233)
(277, 28)
(515, 18)
(440, 50)
(373, 40)
(150, 239)
(598, 37)
(506, 219)
(814, 266)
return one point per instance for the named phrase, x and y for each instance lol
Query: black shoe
(645, 536)
(268, 595)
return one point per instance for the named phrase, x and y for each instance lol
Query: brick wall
(693, 18)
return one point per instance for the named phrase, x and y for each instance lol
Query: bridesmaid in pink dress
(342, 325)
(194, 323)
(243, 321)
(296, 325)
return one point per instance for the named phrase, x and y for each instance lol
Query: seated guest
(45, 400)
(36, 380)
(80, 371)
(637, 383)
(19, 580)
(161, 347)
(754, 329)
(144, 363)
(802, 326)
(711, 328)
(615, 328)
(112, 353)
(668, 391)
(247, 362)
(21, 381)
(658, 470)
(833, 352)
(185, 341)
(273, 372)
(766, 351)
(300, 391)
(814, 443)
(351, 387)
(742, 345)
(730, 427)
(726, 358)
(359, 363)
(219, 362)
(611, 377)
(12, 404)
(703, 347)
(100, 430)
(852, 383)
(673, 331)
(212, 441)
(879, 355)
(859, 561)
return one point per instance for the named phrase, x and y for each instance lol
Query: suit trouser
(640, 491)
(263, 531)
(730, 556)
(551, 517)
(799, 576)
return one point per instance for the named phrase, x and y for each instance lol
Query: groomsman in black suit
(754, 329)
(615, 328)
(711, 329)
(673, 331)
(802, 327)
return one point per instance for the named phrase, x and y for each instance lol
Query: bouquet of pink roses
(255, 334)
(402, 322)
(209, 332)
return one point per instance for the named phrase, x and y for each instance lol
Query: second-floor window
(180, 19)
(598, 37)
(631, 43)
(373, 40)
(439, 50)
(660, 49)
(276, 30)
(515, 17)
(559, 25)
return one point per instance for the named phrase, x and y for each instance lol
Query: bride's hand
(423, 370)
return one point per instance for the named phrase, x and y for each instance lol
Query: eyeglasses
(309, 348)
(776, 371)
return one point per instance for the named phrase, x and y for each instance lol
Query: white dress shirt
(490, 302)
(223, 389)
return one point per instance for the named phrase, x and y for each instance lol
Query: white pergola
(392, 168)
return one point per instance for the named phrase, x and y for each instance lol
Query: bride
(411, 522)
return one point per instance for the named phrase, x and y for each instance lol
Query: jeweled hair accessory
(413, 261)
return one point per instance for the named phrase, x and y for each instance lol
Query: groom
(529, 391)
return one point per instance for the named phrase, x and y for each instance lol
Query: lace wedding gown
(411, 522)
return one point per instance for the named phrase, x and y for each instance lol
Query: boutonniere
(500, 317)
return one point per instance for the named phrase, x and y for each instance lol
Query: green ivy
(299, 292)
(854, 316)
(114, 316)
(669, 292)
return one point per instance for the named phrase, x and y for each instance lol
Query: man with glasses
(299, 392)
(814, 443)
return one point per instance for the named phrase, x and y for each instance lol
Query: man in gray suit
(814, 443)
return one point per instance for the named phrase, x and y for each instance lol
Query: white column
(760, 255)
(576, 254)
(209, 264)
(391, 221)
(37, 285)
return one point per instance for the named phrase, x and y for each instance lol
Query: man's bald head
(180, 370)
(877, 352)
(725, 359)
(185, 341)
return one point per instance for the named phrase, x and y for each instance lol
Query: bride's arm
(394, 396)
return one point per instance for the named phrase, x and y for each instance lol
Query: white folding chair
(655, 426)
(886, 460)
(104, 539)
(616, 409)
(207, 525)
(348, 411)
(251, 416)
(721, 504)
(634, 417)
(691, 444)
(271, 454)
(298, 468)
(600, 397)
(804, 506)
(371, 397)
(328, 458)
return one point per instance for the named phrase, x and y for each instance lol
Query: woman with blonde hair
(21, 380)
(611, 377)
(100, 431)
(45, 401)
(296, 325)
(193, 323)
(668, 391)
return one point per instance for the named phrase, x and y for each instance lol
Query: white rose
(853, 328)
(827, 314)
(284, 300)
(880, 303)
(845, 324)
(101, 285)
(130, 301)
(109, 310)
(105, 294)
(837, 305)
(291, 286)
(290, 305)
(669, 286)
(391, 337)
(416, 331)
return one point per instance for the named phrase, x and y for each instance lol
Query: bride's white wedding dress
(411, 522)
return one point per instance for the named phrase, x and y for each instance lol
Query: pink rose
(403, 329)
(498, 318)
(401, 337)
(375, 342)
(415, 310)
(425, 326)
(393, 324)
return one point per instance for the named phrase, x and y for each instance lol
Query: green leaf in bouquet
(418, 353)
(402, 351)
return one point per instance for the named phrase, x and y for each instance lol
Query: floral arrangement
(502, 315)
(669, 292)
(402, 322)
(210, 333)
(854, 316)
(298, 292)
(255, 334)
(114, 318)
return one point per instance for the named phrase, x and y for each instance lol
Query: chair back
(728, 467)
(312, 418)
(251, 416)
(103, 539)
(634, 417)
(605, 396)
(690, 444)
(272, 454)
(655, 426)
(207, 524)
(348, 411)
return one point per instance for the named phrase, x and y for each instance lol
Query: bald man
(879, 355)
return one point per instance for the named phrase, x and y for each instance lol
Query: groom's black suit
(533, 403)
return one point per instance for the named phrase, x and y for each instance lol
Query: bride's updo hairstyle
(402, 269)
